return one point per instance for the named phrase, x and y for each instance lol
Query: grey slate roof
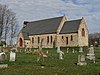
(25, 35)
(46, 26)
(70, 26)
(49, 26)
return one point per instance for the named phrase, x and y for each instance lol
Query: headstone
(3, 57)
(38, 59)
(47, 52)
(61, 55)
(91, 55)
(42, 66)
(81, 60)
(14, 49)
(3, 65)
(40, 47)
(12, 55)
(67, 50)
(81, 49)
(30, 50)
(73, 51)
(58, 49)
(21, 50)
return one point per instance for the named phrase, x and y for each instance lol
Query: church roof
(70, 26)
(45, 26)
(49, 26)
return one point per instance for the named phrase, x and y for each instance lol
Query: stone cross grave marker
(58, 49)
(90, 54)
(28, 50)
(81, 60)
(81, 49)
(67, 50)
(73, 51)
(47, 52)
(61, 54)
(12, 54)
(20, 50)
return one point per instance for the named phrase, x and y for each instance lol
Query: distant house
(53, 32)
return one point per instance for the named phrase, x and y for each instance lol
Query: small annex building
(53, 32)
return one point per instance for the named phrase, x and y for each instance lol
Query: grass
(26, 64)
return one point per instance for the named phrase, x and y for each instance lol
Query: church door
(21, 42)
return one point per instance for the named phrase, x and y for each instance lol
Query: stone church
(53, 32)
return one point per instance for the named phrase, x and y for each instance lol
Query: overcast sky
(42, 9)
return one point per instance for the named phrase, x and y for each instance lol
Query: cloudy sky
(42, 9)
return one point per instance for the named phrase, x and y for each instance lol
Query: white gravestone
(27, 50)
(67, 50)
(81, 49)
(91, 55)
(61, 55)
(21, 50)
(30, 50)
(58, 49)
(73, 51)
(81, 60)
(12, 55)
(47, 52)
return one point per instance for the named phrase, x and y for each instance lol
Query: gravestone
(81, 49)
(40, 47)
(15, 48)
(73, 51)
(58, 49)
(47, 52)
(61, 54)
(81, 60)
(90, 55)
(67, 50)
(3, 65)
(30, 50)
(3, 57)
(20, 50)
(12, 55)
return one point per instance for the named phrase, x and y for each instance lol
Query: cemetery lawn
(26, 64)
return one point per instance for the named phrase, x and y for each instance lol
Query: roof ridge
(73, 20)
(44, 19)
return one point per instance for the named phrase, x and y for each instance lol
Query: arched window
(83, 32)
(71, 38)
(47, 39)
(21, 42)
(51, 39)
(32, 40)
(66, 40)
(38, 39)
(62, 37)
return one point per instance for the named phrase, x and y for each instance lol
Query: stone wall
(18, 41)
(45, 43)
(63, 42)
(83, 40)
(61, 24)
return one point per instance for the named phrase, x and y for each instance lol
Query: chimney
(25, 22)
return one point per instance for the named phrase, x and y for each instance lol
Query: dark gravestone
(3, 57)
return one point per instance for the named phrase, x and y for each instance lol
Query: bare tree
(8, 23)
(14, 28)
